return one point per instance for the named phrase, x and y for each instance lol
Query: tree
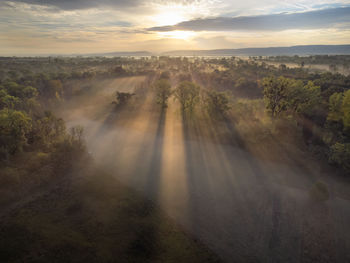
(284, 95)
(119, 71)
(122, 98)
(48, 130)
(218, 103)
(19, 91)
(13, 127)
(29, 92)
(275, 94)
(7, 101)
(346, 110)
(283, 67)
(187, 93)
(163, 92)
(335, 107)
(77, 133)
(54, 89)
(13, 89)
(303, 99)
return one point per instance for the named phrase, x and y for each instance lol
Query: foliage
(339, 109)
(7, 101)
(335, 107)
(340, 155)
(122, 98)
(346, 110)
(77, 133)
(70, 148)
(47, 130)
(187, 93)
(13, 128)
(275, 94)
(303, 99)
(218, 103)
(54, 89)
(163, 91)
(284, 95)
(31, 139)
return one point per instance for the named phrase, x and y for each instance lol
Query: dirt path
(245, 209)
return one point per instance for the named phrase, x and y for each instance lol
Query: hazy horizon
(33, 27)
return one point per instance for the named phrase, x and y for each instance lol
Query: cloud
(86, 4)
(275, 22)
(80, 4)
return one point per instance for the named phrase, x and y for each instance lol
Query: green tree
(47, 130)
(13, 89)
(13, 127)
(335, 107)
(163, 92)
(187, 93)
(29, 92)
(346, 110)
(303, 99)
(7, 101)
(291, 96)
(19, 91)
(217, 103)
(275, 94)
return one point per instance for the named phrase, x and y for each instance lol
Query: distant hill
(121, 54)
(268, 51)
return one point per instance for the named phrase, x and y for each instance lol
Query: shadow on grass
(95, 219)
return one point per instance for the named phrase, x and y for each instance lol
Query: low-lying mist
(247, 199)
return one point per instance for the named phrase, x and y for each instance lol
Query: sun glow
(168, 18)
(178, 34)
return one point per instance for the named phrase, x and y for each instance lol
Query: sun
(178, 34)
(172, 15)
(168, 18)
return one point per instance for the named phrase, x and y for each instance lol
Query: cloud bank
(86, 4)
(275, 22)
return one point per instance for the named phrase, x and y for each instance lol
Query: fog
(207, 178)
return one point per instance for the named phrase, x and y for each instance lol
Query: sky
(42, 27)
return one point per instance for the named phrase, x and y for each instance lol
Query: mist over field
(174, 131)
(218, 186)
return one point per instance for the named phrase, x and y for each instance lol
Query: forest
(170, 156)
